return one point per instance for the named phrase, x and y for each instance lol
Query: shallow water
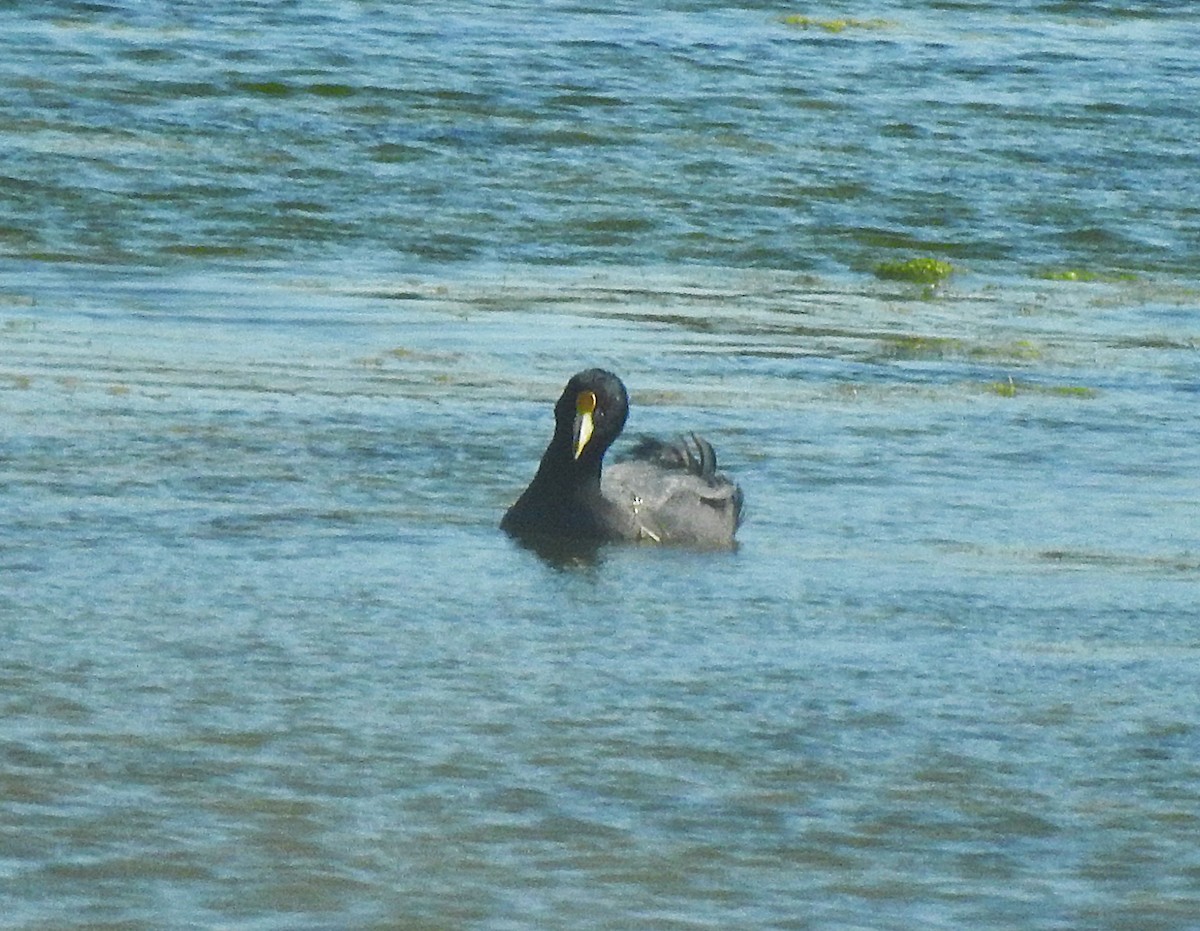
(281, 324)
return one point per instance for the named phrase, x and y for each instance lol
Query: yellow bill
(585, 405)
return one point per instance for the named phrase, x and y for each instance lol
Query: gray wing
(673, 493)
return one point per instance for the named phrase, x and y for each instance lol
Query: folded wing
(671, 492)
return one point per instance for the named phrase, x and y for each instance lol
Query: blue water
(1015, 135)
(287, 292)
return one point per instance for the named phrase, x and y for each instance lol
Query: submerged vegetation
(925, 270)
(833, 25)
(1010, 389)
(911, 347)
(1083, 274)
(903, 347)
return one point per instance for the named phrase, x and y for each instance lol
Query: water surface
(286, 295)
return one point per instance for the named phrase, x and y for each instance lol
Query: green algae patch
(332, 90)
(925, 270)
(1157, 343)
(264, 88)
(832, 26)
(911, 347)
(922, 347)
(1010, 389)
(1084, 274)
(1072, 391)
(201, 250)
(404, 354)
(1019, 350)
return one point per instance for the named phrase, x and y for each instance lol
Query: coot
(660, 492)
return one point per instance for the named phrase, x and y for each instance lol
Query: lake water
(287, 291)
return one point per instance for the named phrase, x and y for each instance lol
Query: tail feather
(690, 453)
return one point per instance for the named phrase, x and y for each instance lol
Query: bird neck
(560, 467)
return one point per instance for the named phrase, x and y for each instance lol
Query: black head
(590, 414)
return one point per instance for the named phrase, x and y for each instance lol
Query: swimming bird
(661, 492)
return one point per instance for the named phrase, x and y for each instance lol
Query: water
(286, 293)
(1019, 134)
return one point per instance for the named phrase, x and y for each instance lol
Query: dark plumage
(660, 492)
